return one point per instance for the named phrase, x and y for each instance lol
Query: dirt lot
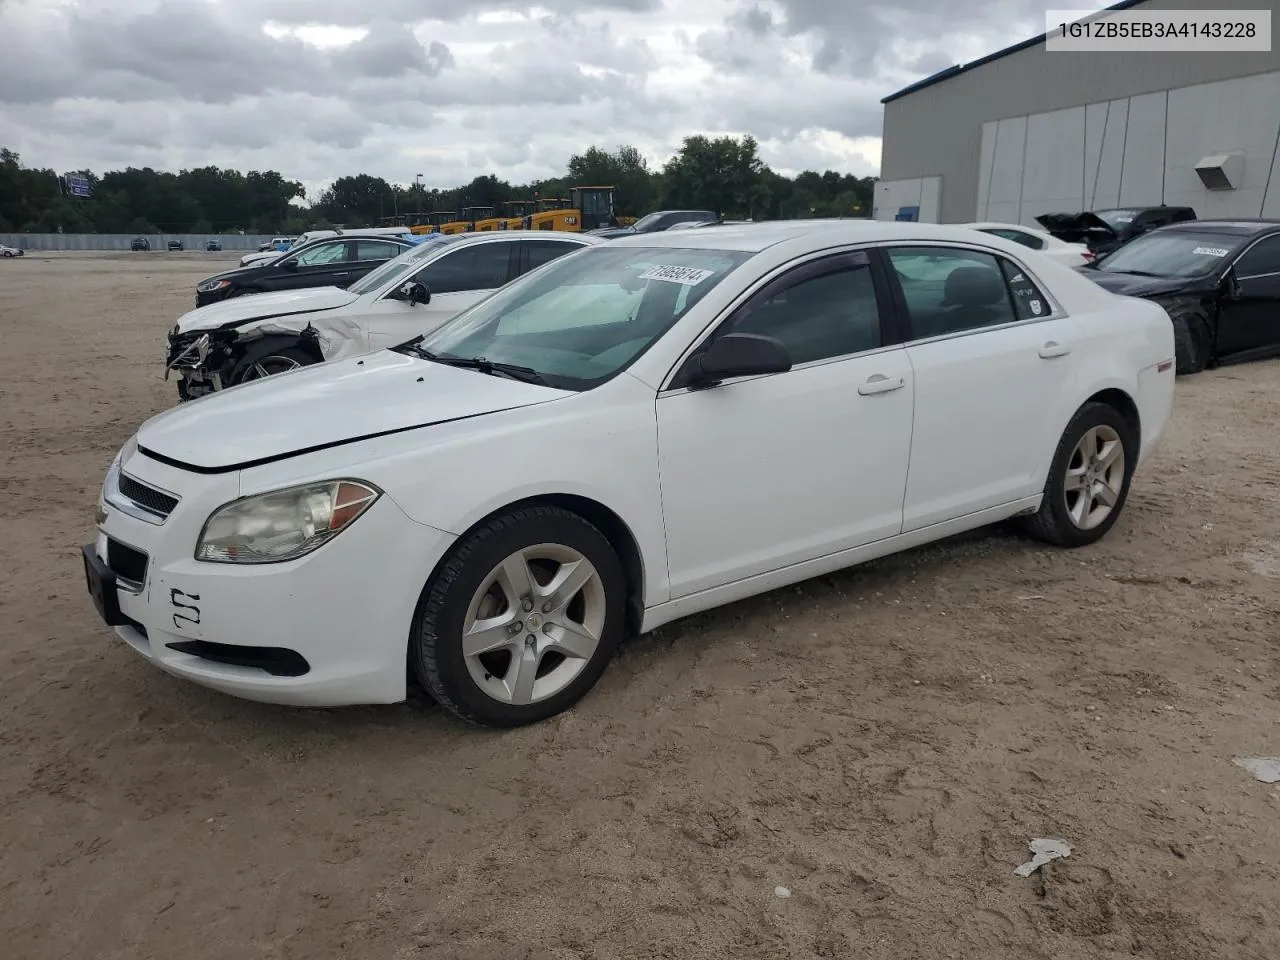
(883, 742)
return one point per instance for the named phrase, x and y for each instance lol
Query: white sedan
(244, 339)
(10, 252)
(635, 432)
(1071, 254)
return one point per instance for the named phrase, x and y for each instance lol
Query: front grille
(147, 497)
(126, 562)
(180, 342)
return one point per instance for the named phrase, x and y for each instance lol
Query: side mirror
(415, 293)
(1231, 285)
(739, 355)
(290, 265)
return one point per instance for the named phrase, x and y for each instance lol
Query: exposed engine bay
(211, 360)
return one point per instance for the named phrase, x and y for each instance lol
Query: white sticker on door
(689, 276)
(1211, 251)
(1036, 307)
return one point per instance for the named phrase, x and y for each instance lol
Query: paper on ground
(1045, 849)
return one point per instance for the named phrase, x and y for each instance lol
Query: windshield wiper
(1138, 273)
(494, 368)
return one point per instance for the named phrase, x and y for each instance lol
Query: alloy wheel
(1095, 477)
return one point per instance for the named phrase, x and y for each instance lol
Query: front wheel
(278, 361)
(521, 619)
(1192, 342)
(1089, 479)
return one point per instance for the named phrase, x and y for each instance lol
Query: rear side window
(480, 267)
(1028, 301)
(544, 251)
(1017, 236)
(377, 250)
(949, 290)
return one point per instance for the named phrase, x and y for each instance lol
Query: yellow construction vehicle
(421, 223)
(517, 210)
(587, 208)
(486, 220)
(466, 219)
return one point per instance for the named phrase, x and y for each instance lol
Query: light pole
(417, 185)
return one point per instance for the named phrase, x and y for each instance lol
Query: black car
(328, 261)
(657, 221)
(140, 243)
(175, 244)
(1219, 280)
(1105, 230)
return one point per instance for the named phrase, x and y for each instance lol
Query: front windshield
(648, 220)
(1177, 253)
(400, 267)
(585, 316)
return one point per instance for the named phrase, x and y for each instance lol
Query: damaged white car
(247, 338)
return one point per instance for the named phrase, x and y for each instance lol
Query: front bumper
(329, 629)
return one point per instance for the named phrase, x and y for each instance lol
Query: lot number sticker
(1211, 251)
(689, 276)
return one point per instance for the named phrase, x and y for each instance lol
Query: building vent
(1222, 171)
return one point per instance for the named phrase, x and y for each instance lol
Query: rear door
(994, 362)
(322, 265)
(369, 255)
(1251, 319)
(463, 276)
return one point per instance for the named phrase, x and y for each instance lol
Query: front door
(458, 279)
(1251, 319)
(760, 473)
(325, 264)
(994, 365)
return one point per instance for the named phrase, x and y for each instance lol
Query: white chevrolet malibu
(632, 433)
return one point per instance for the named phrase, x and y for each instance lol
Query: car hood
(326, 405)
(264, 306)
(610, 232)
(1077, 227)
(232, 274)
(1132, 285)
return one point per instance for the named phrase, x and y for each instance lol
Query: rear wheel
(521, 619)
(1089, 479)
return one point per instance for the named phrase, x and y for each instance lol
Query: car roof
(510, 236)
(1242, 227)
(754, 237)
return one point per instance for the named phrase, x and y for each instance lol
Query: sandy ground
(883, 742)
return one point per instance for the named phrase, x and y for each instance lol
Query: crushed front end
(203, 360)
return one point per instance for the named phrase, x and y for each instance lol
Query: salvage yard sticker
(1211, 251)
(689, 276)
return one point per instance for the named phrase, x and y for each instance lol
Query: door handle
(881, 384)
(342, 274)
(1054, 349)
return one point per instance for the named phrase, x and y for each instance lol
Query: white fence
(122, 241)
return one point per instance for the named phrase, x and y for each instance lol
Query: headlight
(209, 286)
(284, 524)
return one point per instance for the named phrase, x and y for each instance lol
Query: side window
(377, 250)
(948, 290)
(1017, 236)
(480, 267)
(1027, 298)
(830, 314)
(323, 253)
(539, 252)
(1261, 259)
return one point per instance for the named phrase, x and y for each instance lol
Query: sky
(453, 89)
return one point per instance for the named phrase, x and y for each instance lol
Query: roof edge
(957, 69)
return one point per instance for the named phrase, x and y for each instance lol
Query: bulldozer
(586, 209)
(517, 210)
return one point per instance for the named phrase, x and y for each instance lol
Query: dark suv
(1104, 230)
(140, 243)
(657, 221)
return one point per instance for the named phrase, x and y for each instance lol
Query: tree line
(724, 174)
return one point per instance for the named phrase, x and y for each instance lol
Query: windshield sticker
(1036, 308)
(1211, 251)
(1018, 278)
(689, 276)
(1124, 219)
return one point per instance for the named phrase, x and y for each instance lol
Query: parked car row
(545, 441)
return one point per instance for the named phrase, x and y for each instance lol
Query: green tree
(624, 169)
(725, 175)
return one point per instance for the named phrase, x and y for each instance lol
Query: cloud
(458, 88)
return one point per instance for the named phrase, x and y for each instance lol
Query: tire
(276, 361)
(1055, 522)
(7, 255)
(1192, 341)
(487, 688)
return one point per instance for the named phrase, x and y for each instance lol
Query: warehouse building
(1026, 131)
